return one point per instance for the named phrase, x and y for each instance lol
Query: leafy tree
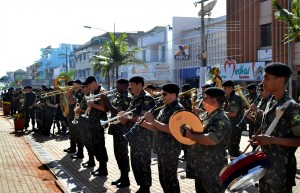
(292, 18)
(69, 75)
(4, 79)
(112, 55)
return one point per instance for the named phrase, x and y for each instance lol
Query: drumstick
(256, 133)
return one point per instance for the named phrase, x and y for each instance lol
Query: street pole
(67, 67)
(203, 50)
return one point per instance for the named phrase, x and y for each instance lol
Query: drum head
(247, 180)
(184, 118)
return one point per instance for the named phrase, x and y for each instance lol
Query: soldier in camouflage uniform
(97, 112)
(70, 117)
(167, 147)
(85, 131)
(50, 107)
(281, 145)
(207, 157)
(258, 110)
(29, 107)
(121, 101)
(78, 95)
(234, 111)
(253, 98)
(140, 140)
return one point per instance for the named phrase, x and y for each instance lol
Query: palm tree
(112, 55)
(292, 18)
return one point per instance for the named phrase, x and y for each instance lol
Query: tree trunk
(108, 80)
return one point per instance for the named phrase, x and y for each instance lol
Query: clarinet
(246, 113)
(126, 135)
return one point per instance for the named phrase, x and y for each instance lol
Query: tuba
(59, 83)
(213, 77)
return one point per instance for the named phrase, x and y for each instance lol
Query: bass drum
(184, 118)
(244, 171)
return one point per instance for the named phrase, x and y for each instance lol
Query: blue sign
(190, 72)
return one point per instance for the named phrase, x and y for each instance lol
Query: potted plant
(6, 108)
(19, 122)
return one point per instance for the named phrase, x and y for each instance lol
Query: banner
(239, 72)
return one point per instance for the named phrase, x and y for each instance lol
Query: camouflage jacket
(120, 101)
(165, 143)
(96, 115)
(282, 159)
(29, 99)
(142, 103)
(234, 104)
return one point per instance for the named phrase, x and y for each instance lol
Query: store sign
(264, 55)
(241, 71)
(182, 53)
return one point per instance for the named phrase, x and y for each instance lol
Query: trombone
(186, 92)
(61, 90)
(116, 117)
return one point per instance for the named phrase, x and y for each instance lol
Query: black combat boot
(124, 180)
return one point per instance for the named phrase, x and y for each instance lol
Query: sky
(28, 25)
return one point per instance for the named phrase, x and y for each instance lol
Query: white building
(187, 47)
(156, 52)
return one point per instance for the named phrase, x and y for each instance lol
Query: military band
(139, 118)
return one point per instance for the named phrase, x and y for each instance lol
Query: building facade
(254, 35)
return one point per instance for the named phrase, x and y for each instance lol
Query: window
(266, 35)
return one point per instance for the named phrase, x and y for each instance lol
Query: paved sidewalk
(69, 172)
(21, 170)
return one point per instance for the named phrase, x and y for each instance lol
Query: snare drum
(244, 171)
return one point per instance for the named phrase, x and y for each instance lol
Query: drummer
(165, 145)
(207, 157)
(281, 145)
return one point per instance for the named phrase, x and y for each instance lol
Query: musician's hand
(185, 131)
(253, 107)
(89, 104)
(261, 140)
(104, 97)
(149, 117)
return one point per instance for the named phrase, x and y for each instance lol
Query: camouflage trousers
(167, 168)
(121, 152)
(140, 154)
(234, 142)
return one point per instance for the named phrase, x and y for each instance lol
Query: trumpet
(76, 116)
(96, 96)
(86, 114)
(61, 90)
(116, 117)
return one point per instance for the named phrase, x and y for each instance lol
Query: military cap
(90, 79)
(70, 83)
(228, 83)
(206, 86)
(137, 79)
(278, 69)
(11, 88)
(83, 84)
(251, 86)
(214, 92)
(171, 88)
(186, 86)
(122, 81)
(77, 81)
(29, 87)
(43, 86)
(150, 86)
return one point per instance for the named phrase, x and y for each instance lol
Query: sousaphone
(185, 118)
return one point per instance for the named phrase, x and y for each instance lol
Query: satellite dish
(207, 8)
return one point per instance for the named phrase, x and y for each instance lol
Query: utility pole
(202, 54)
(67, 67)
